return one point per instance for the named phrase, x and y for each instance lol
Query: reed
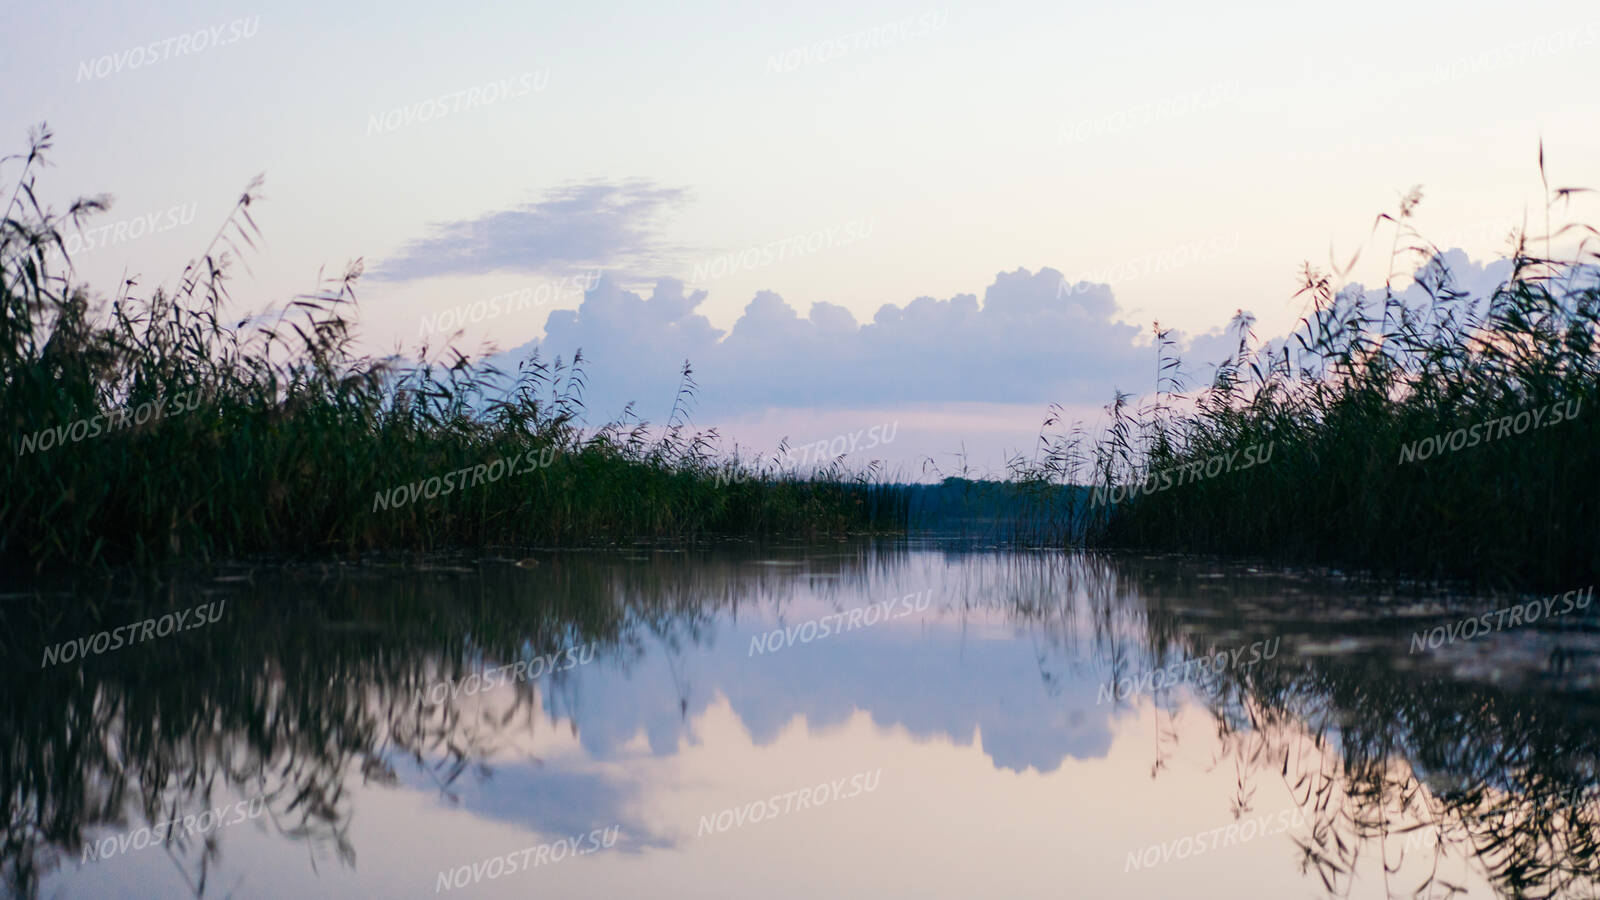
(1456, 436)
(280, 437)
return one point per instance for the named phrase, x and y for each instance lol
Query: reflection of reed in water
(307, 690)
(310, 688)
(1391, 761)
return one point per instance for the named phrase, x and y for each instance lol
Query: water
(860, 719)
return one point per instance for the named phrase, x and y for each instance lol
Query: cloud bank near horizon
(1035, 339)
(1027, 342)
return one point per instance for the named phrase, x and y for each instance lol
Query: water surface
(858, 719)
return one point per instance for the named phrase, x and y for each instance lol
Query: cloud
(880, 671)
(1027, 342)
(550, 798)
(581, 226)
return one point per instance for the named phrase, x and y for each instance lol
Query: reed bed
(1398, 435)
(279, 437)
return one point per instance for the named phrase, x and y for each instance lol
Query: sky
(843, 214)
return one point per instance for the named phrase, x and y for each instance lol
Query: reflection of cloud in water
(990, 686)
(550, 799)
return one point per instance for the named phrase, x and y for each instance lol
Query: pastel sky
(814, 171)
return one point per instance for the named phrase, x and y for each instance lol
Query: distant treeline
(1001, 510)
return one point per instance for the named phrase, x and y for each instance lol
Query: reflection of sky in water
(945, 821)
(1001, 775)
(924, 673)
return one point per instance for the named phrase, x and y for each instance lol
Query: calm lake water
(857, 719)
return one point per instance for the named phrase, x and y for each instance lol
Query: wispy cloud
(581, 226)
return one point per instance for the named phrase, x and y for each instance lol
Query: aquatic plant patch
(299, 424)
(1367, 377)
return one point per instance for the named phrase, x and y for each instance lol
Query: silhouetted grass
(279, 435)
(1336, 406)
